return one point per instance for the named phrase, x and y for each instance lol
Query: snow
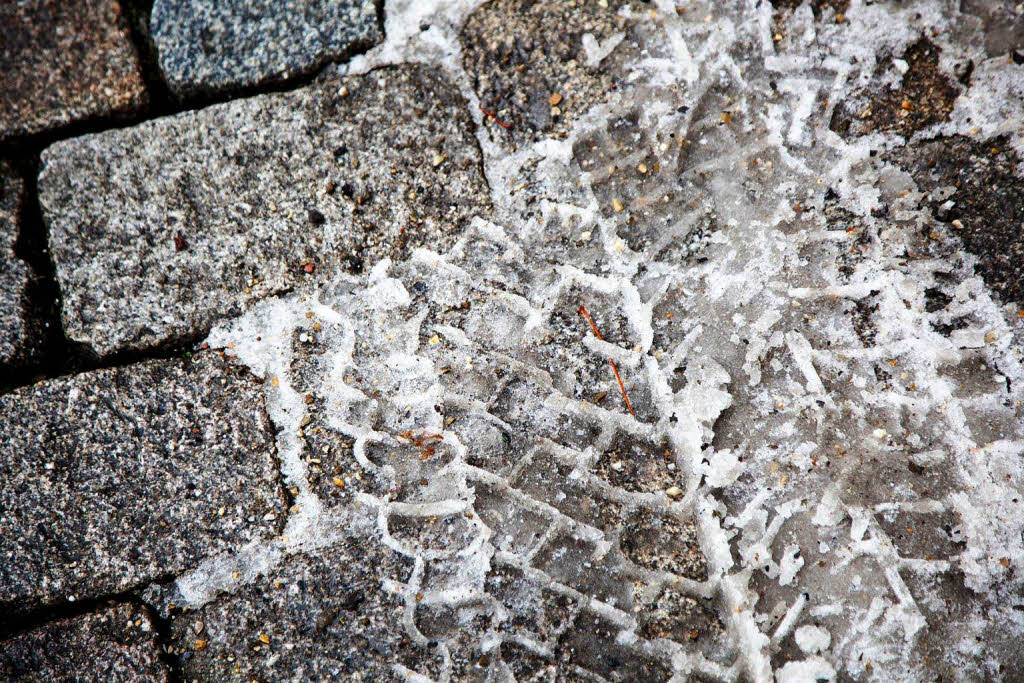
(792, 427)
(812, 639)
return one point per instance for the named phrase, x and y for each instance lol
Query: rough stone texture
(820, 8)
(714, 390)
(1003, 25)
(979, 184)
(924, 97)
(360, 606)
(113, 478)
(62, 62)
(159, 229)
(207, 47)
(116, 643)
(325, 615)
(14, 273)
(527, 512)
(818, 475)
(537, 82)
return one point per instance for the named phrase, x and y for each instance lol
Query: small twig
(494, 117)
(622, 387)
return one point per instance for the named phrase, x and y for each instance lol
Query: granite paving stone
(113, 478)
(317, 616)
(14, 273)
(986, 210)
(206, 47)
(62, 62)
(159, 229)
(115, 643)
(718, 377)
(534, 82)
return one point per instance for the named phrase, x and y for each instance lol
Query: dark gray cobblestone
(62, 62)
(115, 644)
(206, 47)
(113, 478)
(320, 615)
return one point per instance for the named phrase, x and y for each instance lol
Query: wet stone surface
(818, 7)
(160, 229)
(724, 383)
(924, 97)
(15, 325)
(116, 643)
(212, 47)
(113, 478)
(326, 614)
(1003, 24)
(976, 188)
(536, 82)
(62, 62)
(530, 514)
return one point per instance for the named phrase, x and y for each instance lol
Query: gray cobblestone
(62, 62)
(15, 325)
(160, 229)
(113, 478)
(209, 47)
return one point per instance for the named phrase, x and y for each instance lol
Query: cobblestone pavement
(593, 340)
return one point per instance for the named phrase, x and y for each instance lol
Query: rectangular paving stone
(114, 478)
(157, 230)
(117, 643)
(14, 273)
(206, 47)
(325, 615)
(62, 62)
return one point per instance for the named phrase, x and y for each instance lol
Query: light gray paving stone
(113, 478)
(62, 62)
(159, 229)
(117, 643)
(212, 46)
(14, 273)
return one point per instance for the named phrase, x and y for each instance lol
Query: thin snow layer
(853, 465)
(994, 104)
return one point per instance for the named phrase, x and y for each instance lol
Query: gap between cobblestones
(56, 355)
(13, 623)
(164, 641)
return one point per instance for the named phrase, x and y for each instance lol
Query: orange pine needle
(583, 312)
(494, 117)
(618, 378)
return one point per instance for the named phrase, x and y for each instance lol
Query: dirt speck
(924, 97)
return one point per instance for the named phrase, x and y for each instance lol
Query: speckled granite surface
(539, 341)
